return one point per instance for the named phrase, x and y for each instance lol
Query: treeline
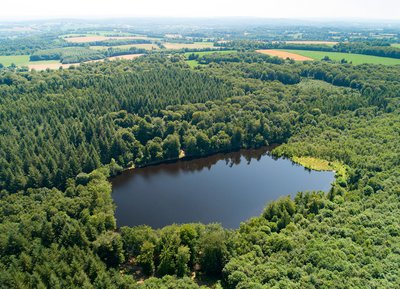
(78, 54)
(375, 83)
(28, 45)
(67, 55)
(116, 42)
(348, 47)
(366, 48)
(235, 57)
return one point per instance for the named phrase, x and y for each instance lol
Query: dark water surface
(225, 188)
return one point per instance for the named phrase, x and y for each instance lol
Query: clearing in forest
(284, 54)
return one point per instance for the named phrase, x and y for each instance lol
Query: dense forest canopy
(64, 132)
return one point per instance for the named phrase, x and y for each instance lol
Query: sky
(296, 9)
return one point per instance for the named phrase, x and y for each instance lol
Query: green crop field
(22, 60)
(396, 45)
(354, 58)
(18, 60)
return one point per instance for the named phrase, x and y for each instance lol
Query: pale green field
(193, 63)
(354, 58)
(396, 45)
(147, 46)
(22, 60)
(16, 59)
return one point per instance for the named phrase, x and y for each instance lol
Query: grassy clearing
(396, 45)
(321, 165)
(18, 60)
(354, 58)
(22, 60)
(193, 63)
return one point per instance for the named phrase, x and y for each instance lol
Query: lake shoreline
(269, 148)
(225, 187)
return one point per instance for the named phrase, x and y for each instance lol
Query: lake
(226, 188)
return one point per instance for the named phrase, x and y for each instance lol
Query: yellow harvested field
(44, 66)
(128, 57)
(196, 45)
(284, 54)
(85, 39)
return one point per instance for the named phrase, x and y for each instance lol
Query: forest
(65, 132)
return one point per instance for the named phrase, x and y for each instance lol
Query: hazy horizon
(313, 10)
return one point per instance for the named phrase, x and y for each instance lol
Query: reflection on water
(225, 188)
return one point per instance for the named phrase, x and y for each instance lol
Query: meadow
(21, 60)
(354, 58)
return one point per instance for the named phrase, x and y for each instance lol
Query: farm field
(396, 45)
(147, 46)
(86, 39)
(337, 56)
(22, 60)
(195, 45)
(285, 54)
(16, 59)
(43, 65)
